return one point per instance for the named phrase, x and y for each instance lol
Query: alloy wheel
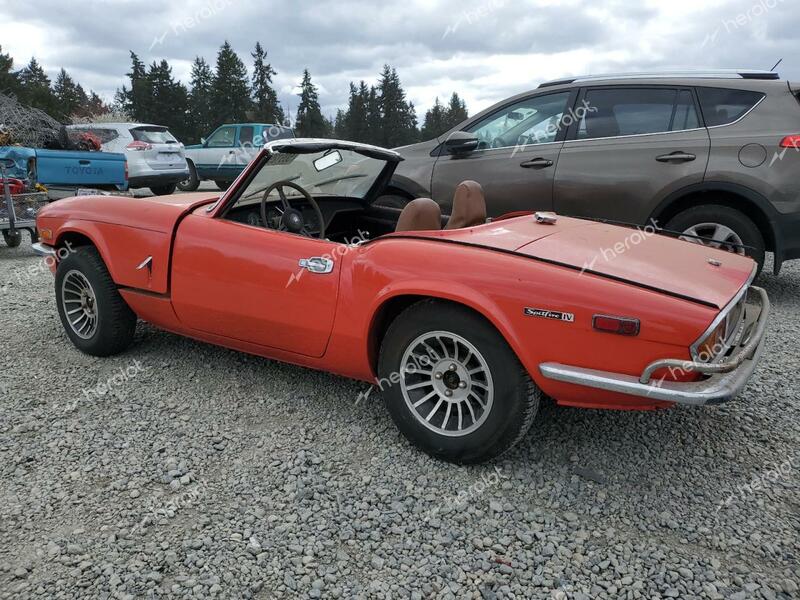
(446, 383)
(80, 304)
(715, 235)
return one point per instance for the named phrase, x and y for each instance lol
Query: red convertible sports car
(463, 324)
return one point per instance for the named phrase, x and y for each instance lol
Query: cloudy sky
(484, 49)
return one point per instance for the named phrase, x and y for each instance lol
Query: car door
(632, 147)
(516, 158)
(247, 146)
(244, 283)
(218, 155)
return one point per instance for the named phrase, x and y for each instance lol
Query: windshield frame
(230, 199)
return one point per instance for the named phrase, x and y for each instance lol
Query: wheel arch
(391, 307)
(74, 237)
(743, 199)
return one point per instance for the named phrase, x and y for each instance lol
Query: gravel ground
(183, 470)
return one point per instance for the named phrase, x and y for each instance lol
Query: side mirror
(203, 141)
(461, 142)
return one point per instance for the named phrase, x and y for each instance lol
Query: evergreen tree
(9, 83)
(230, 89)
(340, 125)
(71, 97)
(169, 101)
(265, 101)
(398, 116)
(34, 88)
(202, 119)
(95, 106)
(435, 122)
(310, 122)
(136, 100)
(456, 112)
(374, 118)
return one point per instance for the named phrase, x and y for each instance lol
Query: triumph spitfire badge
(549, 314)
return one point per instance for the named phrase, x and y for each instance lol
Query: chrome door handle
(316, 264)
(676, 156)
(536, 162)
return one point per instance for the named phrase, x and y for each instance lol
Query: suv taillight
(138, 146)
(791, 141)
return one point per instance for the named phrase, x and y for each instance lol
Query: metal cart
(18, 212)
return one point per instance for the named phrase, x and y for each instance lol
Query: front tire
(94, 315)
(223, 185)
(452, 384)
(12, 240)
(163, 190)
(721, 227)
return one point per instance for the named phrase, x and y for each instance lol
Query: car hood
(158, 213)
(641, 257)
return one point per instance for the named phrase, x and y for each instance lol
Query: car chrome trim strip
(726, 380)
(43, 249)
(636, 135)
(723, 313)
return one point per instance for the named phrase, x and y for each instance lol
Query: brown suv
(712, 156)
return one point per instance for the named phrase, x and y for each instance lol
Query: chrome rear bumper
(723, 381)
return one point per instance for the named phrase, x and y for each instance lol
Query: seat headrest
(469, 206)
(419, 215)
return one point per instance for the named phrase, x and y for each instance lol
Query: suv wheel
(452, 384)
(163, 190)
(721, 227)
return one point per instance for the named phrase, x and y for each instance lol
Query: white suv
(155, 158)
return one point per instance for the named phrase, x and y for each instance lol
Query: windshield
(331, 172)
(153, 135)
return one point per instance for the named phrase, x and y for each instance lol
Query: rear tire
(83, 275)
(12, 240)
(223, 185)
(164, 190)
(192, 182)
(481, 399)
(705, 218)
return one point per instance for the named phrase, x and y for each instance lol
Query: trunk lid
(641, 257)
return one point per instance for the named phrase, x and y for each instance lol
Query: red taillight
(618, 325)
(138, 146)
(791, 141)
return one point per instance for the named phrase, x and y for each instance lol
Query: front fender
(128, 246)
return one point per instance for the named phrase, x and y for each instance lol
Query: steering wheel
(292, 219)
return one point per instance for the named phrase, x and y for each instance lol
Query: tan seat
(419, 215)
(469, 206)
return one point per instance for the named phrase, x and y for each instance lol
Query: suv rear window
(153, 135)
(722, 106)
